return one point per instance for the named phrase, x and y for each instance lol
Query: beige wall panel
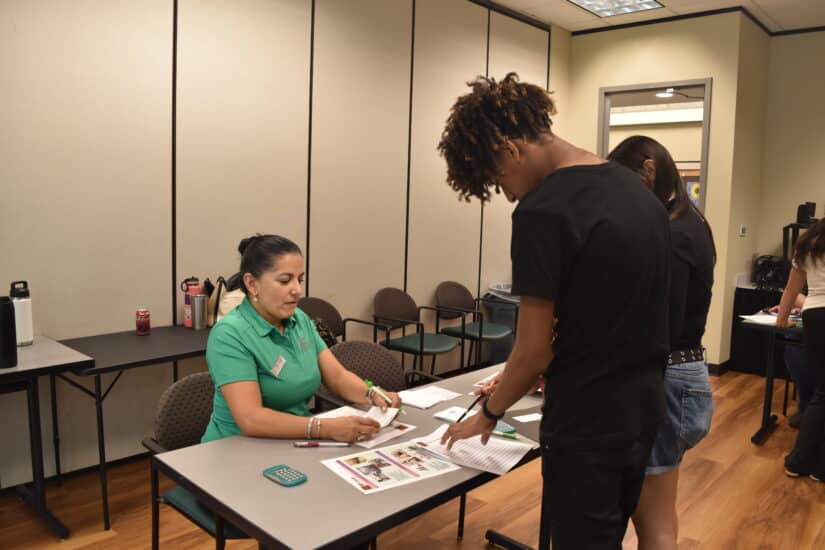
(683, 139)
(514, 47)
(793, 163)
(450, 50)
(242, 134)
(360, 121)
(560, 41)
(748, 151)
(680, 50)
(85, 112)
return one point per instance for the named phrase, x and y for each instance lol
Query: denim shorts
(688, 411)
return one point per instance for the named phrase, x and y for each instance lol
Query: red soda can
(142, 321)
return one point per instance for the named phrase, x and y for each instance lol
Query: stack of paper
(498, 456)
(426, 397)
(390, 428)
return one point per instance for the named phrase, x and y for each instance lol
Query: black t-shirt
(691, 279)
(595, 241)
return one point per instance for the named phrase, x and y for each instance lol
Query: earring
(255, 298)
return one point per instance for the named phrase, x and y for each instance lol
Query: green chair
(453, 300)
(182, 415)
(395, 309)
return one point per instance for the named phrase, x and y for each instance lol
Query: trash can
(501, 309)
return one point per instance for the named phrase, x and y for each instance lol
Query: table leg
(36, 497)
(174, 371)
(55, 428)
(101, 449)
(462, 509)
(768, 419)
(155, 506)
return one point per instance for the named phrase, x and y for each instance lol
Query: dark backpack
(770, 272)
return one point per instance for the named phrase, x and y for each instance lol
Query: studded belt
(686, 356)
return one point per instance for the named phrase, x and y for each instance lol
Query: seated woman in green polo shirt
(267, 359)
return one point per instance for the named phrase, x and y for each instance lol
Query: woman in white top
(808, 455)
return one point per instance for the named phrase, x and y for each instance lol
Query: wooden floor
(732, 495)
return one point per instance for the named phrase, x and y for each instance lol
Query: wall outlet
(743, 230)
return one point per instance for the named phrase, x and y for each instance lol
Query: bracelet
(488, 413)
(318, 420)
(309, 427)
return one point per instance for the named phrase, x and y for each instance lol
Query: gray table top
(124, 350)
(325, 508)
(44, 356)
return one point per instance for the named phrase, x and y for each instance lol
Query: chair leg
(432, 365)
(155, 508)
(220, 536)
(470, 355)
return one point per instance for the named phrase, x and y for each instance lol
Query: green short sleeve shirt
(243, 346)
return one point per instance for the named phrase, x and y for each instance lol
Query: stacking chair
(453, 300)
(182, 416)
(317, 308)
(395, 309)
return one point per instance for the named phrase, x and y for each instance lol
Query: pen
(313, 444)
(473, 404)
(508, 436)
(383, 395)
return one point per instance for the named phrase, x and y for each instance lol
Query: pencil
(473, 404)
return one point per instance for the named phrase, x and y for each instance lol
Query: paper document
(760, 319)
(452, 415)
(498, 456)
(393, 466)
(390, 428)
(532, 417)
(426, 397)
(486, 379)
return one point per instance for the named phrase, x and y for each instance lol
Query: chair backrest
(183, 411)
(323, 310)
(395, 303)
(453, 294)
(371, 361)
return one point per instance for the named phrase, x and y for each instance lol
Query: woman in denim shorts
(688, 396)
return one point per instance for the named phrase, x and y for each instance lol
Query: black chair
(396, 309)
(318, 308)
(183, 413)
(453, 300)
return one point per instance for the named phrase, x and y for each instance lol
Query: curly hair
(479, 124)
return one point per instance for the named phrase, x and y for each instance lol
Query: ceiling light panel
(609, 8)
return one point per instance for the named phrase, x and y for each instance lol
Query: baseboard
(720, 369)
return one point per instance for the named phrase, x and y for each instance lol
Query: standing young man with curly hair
(590, 247)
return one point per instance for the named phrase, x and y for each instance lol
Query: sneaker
(794, 470)
(791, 473)
(817, 477)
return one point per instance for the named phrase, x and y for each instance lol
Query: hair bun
(244, 244)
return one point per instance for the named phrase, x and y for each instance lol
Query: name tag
(278, 366)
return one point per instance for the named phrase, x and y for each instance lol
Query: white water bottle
(21, 298)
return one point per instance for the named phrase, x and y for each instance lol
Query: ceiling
(776, 15)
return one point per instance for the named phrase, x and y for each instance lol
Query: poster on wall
(691, 172)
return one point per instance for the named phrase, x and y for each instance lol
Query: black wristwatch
(490, 416)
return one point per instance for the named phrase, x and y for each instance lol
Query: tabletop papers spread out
(380, 469)
(426, 397)
(390, 428)
(498, 456)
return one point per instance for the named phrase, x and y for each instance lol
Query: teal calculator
(504, 427)
(284, 475)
